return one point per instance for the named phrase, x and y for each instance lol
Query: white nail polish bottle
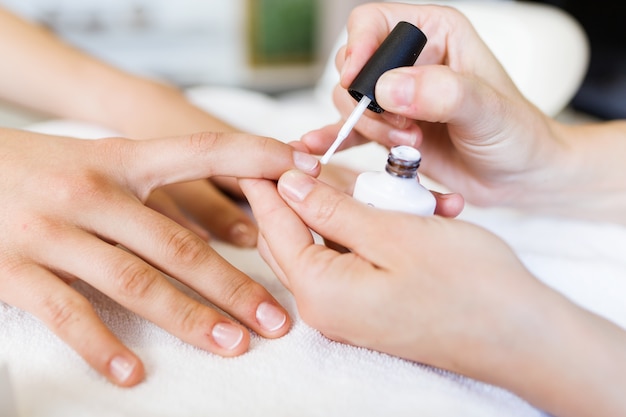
(398, 188)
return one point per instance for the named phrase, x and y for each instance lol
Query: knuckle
(88, 182)
(203, 142)
(326, 210)
(71, 189)
(183, 247)
(239, 291)
(135, 280)
(188, 317)
(60, 314)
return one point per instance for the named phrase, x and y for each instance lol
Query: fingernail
(121, 368)
(403, 137)
(227, 335)
(305, 161)
(243, 235)
(396, 89)
(295, 185)
(270, 317)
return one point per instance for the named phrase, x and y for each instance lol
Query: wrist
(579, 172)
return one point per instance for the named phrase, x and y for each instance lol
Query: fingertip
(306, 162)
(295, 185)
(395, 90)
(272, 319)
(230, 339)
(346, 74)
(125, 369)
(449, 205)
(243, 233)
(300, 146)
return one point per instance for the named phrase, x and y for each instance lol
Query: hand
(478, 135)
(425, 306)
(73, 210)
(437, 291)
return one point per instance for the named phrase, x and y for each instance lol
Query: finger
(162, 203)
(315, 274)
(184, 256)
(361, 44)
(171, 160)
(139, 287)
(266, 253)
(272, 213)
(212, 209)
(318, 141)
(264, 186)
(342, 219)
(72, 318)
(449, 205)
(446, 29)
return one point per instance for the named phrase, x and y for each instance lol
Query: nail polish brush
(399, 49)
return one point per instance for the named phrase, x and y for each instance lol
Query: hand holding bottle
(397, 291)
(478, 135)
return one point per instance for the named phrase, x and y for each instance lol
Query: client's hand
(73, 209)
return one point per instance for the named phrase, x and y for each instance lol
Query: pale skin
(68, 203)
(522, 159)
(483, 315)
(70, 221)
(51, 77)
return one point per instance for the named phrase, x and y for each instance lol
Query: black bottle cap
(399, 49)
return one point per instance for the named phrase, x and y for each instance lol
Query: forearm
(45, 74)
(564, 360)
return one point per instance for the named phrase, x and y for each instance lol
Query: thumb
(338, 217)
(432, 93)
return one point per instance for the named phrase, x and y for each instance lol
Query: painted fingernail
(403, 137)
(396, 88)
(270, 317)
(305, 161)
(243, 235)
(121, 368)
(295, 185)
(227, 336)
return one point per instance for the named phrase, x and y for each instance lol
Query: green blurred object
(282, 31)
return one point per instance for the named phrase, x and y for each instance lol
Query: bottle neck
(402, 168)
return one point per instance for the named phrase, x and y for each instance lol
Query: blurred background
(275, 46)
(603, 91)
(267, 45)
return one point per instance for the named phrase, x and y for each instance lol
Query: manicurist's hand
(478, 135)
(70, 207)
(434, 290)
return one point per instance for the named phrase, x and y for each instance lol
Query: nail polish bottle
(398, 187)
